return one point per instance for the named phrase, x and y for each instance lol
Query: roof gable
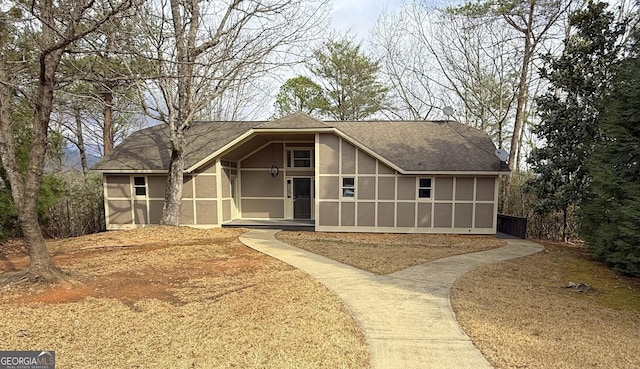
(297, 120)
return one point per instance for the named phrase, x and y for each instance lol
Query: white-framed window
(140, 186)
(299, 158)
(348, 187)
(424, 188)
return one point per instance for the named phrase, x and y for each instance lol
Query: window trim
(142, 186)
(344, 187)
(430, 188)
(290, 157)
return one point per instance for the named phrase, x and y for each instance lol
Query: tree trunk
(80, 141)
(25, 188)
(107, 130)
(41, 267)
(564, 225)
(173, 193)
(521, 100)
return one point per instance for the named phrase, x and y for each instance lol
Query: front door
(302, 198)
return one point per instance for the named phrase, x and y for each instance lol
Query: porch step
(285, 225)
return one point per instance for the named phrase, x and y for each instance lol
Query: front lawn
(176, 298)
(519, 313)
(384, 253)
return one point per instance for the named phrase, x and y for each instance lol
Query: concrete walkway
(406, 316)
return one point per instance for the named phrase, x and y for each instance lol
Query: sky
(359, 16)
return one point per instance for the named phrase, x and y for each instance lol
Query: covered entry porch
(272, 181)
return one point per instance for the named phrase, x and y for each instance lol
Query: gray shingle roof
(410, 145)
(150, 149)
(294, 121)
(426, 146)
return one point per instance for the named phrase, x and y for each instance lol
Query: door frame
(288, 199)
(235, 201)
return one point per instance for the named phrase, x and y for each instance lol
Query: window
(424, 188)
(140, 186)
(348, 187)
(299, 158)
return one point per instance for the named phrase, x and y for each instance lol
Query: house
(372, 176)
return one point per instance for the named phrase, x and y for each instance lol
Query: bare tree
(533, 20)
(435, 58)
(416, 91)
(51, 28)
(201, 49)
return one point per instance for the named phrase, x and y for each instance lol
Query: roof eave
(453, 172)
(129, 171)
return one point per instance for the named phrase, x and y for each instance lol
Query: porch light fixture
(274, 171)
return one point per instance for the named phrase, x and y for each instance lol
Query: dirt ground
(387, 253)
(176, 298)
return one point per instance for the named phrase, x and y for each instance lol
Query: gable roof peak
(297, 120)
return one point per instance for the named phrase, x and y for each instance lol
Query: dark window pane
(348, 192)
(138, 181)
(141, 191)
(302, 154)
(289, 158)
(302, 163)
(425, 182)
(348, 182)
(424, 193)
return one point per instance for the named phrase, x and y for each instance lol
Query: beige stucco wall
(263, 208)
(205, 187)
(329, 153)
(387, 201)
(118, 186)
(119, 211)
(125, 210)
(265, 157)
(207, 212)
(261, 184)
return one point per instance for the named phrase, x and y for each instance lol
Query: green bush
(52, 190)
(69, 204)
(81, 210)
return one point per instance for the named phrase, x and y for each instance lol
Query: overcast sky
(359, 16)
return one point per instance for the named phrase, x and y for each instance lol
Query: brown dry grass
(387, 253)
(520, 314)
(177, 298)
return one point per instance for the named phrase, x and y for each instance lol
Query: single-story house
(365, 176)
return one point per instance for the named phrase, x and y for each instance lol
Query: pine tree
(350, 81)
(300, 94)
(579, 81)
(610, 216)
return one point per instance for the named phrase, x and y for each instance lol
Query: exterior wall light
(274, 171)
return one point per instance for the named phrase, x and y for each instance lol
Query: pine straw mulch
(176, 298)
(384, 253)
(521, 314)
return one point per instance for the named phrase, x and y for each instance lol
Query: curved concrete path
(406, 316)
